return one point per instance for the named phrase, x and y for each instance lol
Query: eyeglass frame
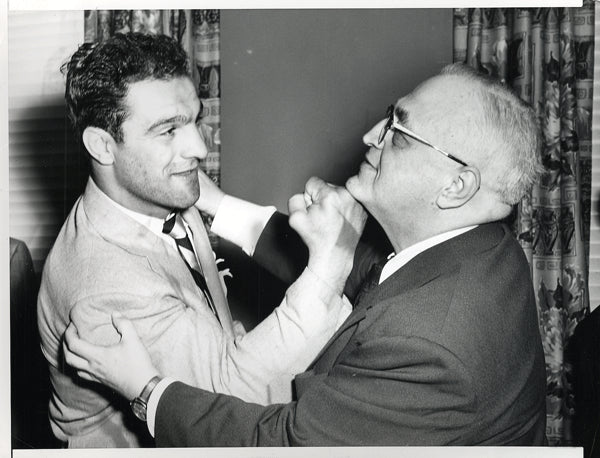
(392, 124)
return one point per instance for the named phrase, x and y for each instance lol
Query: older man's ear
(461, 189)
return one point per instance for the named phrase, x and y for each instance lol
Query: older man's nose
(371, 138)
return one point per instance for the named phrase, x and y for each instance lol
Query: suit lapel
(370, 302)
(135, 238)
(209, 267)
(419, 271)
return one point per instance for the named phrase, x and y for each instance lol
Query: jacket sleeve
(392, 391)
(258, 366)
(281, 251)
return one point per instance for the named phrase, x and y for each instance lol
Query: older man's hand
(330, 221)
(210, 195)
(125, 367)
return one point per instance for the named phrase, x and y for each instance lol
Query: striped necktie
(175, 228)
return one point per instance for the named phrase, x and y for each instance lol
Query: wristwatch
(139, 405)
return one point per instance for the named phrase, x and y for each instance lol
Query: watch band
(139, 404)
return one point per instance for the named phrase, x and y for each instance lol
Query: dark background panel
(301, 87)
(299, 90)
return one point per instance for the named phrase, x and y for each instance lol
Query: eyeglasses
(391, 124)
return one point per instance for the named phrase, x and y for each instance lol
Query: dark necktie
(371, 281)
(175, 228)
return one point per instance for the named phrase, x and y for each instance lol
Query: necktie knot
(174, 226)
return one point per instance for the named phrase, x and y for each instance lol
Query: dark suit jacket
(444, 352)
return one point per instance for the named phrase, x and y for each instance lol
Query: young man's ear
(462, 189)
(100, 144)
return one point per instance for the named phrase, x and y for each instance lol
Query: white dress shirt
(396, 261)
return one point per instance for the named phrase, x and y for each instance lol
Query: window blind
(594, 275)
(46, 168)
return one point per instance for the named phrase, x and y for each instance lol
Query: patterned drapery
(198, 31)
(546, 55)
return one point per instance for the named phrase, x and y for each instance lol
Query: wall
(300, 87)
(46, 169)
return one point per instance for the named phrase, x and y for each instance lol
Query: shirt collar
(396, 261)
(154, 224)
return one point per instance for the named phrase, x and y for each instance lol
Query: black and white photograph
(253, 229)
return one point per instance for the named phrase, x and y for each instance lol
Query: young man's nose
(194, 144)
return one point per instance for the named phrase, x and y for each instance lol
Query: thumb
(123, 326)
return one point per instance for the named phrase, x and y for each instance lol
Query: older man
(132, 244)
(442, 347)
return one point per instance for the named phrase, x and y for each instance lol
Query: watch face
(139, 408)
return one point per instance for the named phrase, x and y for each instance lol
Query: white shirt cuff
(157, 392)
(241, 222)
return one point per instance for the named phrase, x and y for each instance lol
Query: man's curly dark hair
(98, 75)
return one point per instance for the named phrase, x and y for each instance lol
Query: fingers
(298, 212)
(210, 195)
(75, 361)
(322, 205)
(71, 332)
(307, 199)
(297, 204)
(202, 177)
(87, 376)
(317, 191)
(77, 351)
(314, 190)
(338, 199)
(72, 349)
(315, 184)
(72, 341)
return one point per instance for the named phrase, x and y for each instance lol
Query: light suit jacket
(446, 351)
(105, 261)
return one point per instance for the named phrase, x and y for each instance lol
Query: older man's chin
(355, 187)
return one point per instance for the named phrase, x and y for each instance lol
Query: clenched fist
(330, 223)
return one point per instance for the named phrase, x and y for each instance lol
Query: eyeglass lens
(388, 123)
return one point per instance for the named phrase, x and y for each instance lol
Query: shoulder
(461, 292)
(83, 262)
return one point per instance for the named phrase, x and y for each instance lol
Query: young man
(442, 347)
(132, 244)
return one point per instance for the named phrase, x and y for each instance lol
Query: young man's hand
(330, 221)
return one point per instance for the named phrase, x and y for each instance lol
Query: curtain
(198, 31)
(546, 55)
